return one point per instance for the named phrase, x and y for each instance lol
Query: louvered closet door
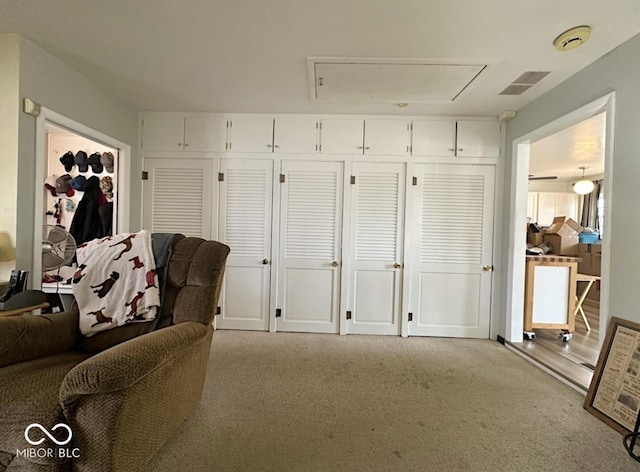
(245, 226)
(377, 221)
(178, 196)
(453, 220)
(309, 248)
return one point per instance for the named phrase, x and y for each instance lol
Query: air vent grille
(524, 82)
(531, 77)
(515, 89)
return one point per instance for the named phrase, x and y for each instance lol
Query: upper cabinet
(251, 133)
(462, 138)
(263, 133)
(300, 134)
(197, 132)
(374, 137)
(477, 138)
(342, 136)
(433, 138)
(296, 135)
(387, 137)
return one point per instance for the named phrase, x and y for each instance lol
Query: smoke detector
(572, 38)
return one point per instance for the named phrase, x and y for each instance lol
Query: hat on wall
(107, 161)
(63, 185)
(81, 160)
(50, 184)
(67, 161)
(106, 185)
(79, 182)
(94, 162)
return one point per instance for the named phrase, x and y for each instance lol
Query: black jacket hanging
(87, 224)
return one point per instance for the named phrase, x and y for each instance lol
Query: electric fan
(58, 247)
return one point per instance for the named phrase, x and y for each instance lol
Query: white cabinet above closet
(371, 137)
(462, 138)
(193, 132)
(264, 133)
(387, 137)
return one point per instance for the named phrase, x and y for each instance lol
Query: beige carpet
(302, 402)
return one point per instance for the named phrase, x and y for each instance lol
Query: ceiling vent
(524, 82)
(389, 80)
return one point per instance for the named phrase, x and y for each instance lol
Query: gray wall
(617, 71)
(9, 77)
(48, 81)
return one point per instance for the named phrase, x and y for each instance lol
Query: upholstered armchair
(121, 393)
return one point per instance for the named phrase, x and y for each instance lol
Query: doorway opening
(521, 206)
(58, 138)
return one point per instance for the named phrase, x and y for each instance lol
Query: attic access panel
(391, 82)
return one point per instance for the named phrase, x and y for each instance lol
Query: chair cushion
(30, 392)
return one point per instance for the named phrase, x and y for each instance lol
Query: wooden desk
(590, 279)
(26, 309)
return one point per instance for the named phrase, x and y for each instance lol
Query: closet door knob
(335, 263)
(397, 265)
(265, 261)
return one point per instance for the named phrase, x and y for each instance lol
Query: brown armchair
(122, 392)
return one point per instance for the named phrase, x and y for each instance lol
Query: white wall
(616, 71)
(9, 77)
(48, 81)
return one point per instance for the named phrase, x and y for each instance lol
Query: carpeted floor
(303, 402)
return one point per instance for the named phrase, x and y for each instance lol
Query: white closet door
(452, 256)
(245, 226)
(309, 246)
(177, 196)
(375, 269)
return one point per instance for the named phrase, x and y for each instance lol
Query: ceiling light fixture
(583, 186)
(572, 38)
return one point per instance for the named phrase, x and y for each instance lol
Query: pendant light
(583, 186)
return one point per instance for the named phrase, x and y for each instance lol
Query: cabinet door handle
(186, 144)
(180, 144)
(269, 145)
(460, 149)
(452, 149)
(277, 146)
(367, 148)
(358, 147)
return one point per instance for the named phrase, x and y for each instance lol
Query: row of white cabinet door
(324, 246)
(312, 135)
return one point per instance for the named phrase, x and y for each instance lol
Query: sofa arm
(27, 337)
(124, 403)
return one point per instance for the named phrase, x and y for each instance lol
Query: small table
(590, 279)
(24, 309)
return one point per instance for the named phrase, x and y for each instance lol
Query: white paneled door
(177, 196)
(309, 264)
(376, 260)
(245, 226)
(452, 250)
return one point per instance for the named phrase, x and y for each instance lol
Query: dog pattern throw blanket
(116, 282)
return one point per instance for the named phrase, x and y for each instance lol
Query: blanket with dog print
(116, 282)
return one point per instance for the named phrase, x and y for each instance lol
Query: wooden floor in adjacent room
(574, 360)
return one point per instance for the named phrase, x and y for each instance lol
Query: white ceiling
(562, 154)
(250, 55)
